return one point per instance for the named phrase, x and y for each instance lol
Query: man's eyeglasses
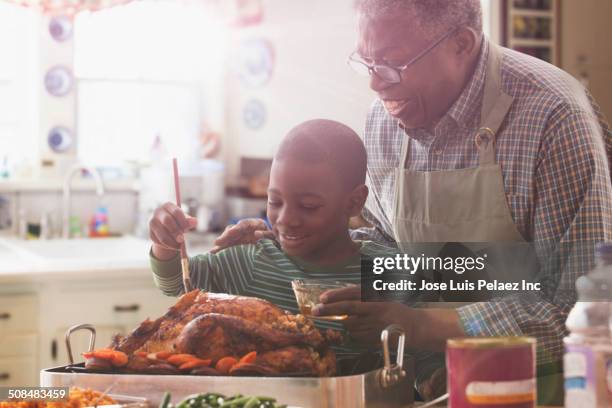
(389, 73)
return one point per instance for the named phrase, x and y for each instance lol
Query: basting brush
(184, 259)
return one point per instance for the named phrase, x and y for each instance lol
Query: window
(18, 31)
(142, 70)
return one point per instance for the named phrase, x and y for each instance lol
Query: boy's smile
(308, 208)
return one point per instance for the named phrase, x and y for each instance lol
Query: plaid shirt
(552, 148)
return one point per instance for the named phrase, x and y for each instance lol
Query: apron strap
(495, 106)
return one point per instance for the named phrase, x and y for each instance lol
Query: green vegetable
(235, 402)
(165, 400)
(216, 400)
(213, 399)
(263, 398)
(253, 402)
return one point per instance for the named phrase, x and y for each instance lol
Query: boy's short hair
(327, 141)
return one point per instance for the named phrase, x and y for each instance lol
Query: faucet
(66, 193)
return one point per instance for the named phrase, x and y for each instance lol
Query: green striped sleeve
(221, 272)
(167, 275)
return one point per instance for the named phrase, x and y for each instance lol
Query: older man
(471, 142)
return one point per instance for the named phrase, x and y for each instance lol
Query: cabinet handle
(5, 316)
(127, 308)
(4, 376)
(54, 349)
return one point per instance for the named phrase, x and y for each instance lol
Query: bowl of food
(308, 293)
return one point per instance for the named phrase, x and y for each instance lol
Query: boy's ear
(356, 200)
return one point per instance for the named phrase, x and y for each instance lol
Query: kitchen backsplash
(33, 206)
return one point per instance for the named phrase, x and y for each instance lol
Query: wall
(586, 31)
(311, 40)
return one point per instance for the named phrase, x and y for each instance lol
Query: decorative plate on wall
(255, 62)
(59, 139)
(254, 114)
(58, 81)
(60, 28)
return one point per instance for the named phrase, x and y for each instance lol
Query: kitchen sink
(112, 249)
(76, 249)
(9, 255)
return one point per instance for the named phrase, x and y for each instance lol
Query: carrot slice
(195, 363)
(163, 355)
(225, 364)
(249, 358)
(141, 353)
(104, 354)
(119, 358)
(179, 359)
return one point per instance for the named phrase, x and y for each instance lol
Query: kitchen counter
(44, 260)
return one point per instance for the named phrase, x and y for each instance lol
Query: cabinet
(18, 339)
(33, 324)
(18, 371)
(532, 27)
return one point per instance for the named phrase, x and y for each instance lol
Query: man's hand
(434, 386)
(425, 329)
(166, 229)
(366, 320)
(246, 231)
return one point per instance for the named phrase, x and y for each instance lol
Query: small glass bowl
(308, 292)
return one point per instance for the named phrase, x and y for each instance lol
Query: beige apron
(465, 205)
(468, 205)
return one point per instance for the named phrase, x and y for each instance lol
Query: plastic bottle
(588, 349)
(98, 225)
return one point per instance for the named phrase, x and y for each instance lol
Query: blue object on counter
(98, 226)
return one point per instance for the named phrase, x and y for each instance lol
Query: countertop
(42, 260)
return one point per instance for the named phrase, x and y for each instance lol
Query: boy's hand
(166, 230)
(246, 231)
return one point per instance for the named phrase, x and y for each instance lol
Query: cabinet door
(79, 342)
(18, 313)
(111, 306)
(16, 345)
(18, 371)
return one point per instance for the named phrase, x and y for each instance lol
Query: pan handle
(391, 374)
(92, 338)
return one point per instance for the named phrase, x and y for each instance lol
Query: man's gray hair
(432, 17)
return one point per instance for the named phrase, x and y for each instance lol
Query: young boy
(316, 184)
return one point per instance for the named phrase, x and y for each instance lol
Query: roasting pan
(388, 387)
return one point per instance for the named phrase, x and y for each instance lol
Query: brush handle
(177, 188)
(183, 249)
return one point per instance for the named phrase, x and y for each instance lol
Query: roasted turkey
(216, 334)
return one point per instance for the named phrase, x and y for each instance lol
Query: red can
(491, 372)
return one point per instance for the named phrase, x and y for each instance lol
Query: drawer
(18, 371)
(111, 307)
(18, 313)
(18, 345)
